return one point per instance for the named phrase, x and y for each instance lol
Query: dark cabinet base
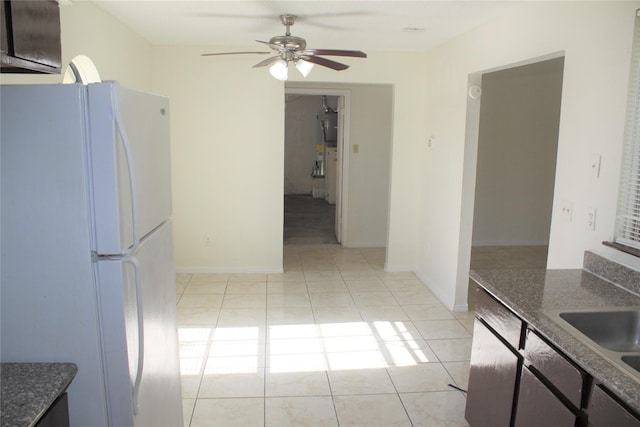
(57, 415)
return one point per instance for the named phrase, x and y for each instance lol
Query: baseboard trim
(229, 270)
(461, 307)
(511, 243)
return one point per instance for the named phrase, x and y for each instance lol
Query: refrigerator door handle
(136, 385)
(115, 105)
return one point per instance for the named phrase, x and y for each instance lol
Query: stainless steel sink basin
(633, 361)
(614, 333)
(614, 330)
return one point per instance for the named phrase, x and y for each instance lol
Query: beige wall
(118, 52)
(596, 39)
(517, 150)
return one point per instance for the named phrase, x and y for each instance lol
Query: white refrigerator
(86, 258)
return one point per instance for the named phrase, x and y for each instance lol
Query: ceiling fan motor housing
(292, 44)
(289, 42)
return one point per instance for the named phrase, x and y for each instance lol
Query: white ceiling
(366, 25)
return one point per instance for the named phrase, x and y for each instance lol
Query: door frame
(344, 148)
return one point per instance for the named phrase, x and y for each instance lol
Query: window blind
(627, 230)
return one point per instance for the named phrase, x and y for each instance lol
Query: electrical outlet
(594, 165)
(566, 209)
(206, 241)
(591, 219)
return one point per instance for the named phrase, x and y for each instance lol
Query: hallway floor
(333, 341)
(308, 221)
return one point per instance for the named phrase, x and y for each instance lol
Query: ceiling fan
(292, 49)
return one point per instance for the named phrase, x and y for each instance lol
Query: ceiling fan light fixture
(279, 70)
(293, 49)
(304, 67)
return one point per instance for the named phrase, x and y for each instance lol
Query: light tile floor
(333, 341)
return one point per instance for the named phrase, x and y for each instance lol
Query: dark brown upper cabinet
(30, 37)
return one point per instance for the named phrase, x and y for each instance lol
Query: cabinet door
(492, 380)
(554, 366)
(604, 411)
(539, 407)
(499, 317)
(36, 32)
(4, 43)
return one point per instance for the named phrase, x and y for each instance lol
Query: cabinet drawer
(604, 411)
(499, 317)
(565, 376)
(538, 406)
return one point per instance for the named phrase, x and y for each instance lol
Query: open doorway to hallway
(516, 162)
(363, 158)
(311, 176)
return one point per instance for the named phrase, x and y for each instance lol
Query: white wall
(517, 149)
(118, 52)
(227, 153)
(596, 39)
(228, 150)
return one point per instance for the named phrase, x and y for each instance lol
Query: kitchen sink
(633, 361)
(614, 330)
(614, 333)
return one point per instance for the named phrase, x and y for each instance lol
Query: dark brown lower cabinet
(57, 415)
(605, 411)
(492, 380)
(518, 377)
(539, 407)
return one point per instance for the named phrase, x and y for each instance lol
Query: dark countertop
(531, 293)
(28, 389)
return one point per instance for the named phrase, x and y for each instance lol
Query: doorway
(310, 169)
(314, 192)
(516, 160)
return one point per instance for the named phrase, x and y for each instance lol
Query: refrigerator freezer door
(48, 309)
(119, 116)
(158, 398)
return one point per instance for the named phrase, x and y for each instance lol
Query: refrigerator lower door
(139, 333)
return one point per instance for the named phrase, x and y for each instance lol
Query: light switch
(356, 148)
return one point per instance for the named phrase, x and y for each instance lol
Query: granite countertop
(28, 389)
(532, 293)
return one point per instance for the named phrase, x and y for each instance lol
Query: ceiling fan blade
(325, 62)
(273, 46)
(334, 52)
(266, 62)
(236, 53)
